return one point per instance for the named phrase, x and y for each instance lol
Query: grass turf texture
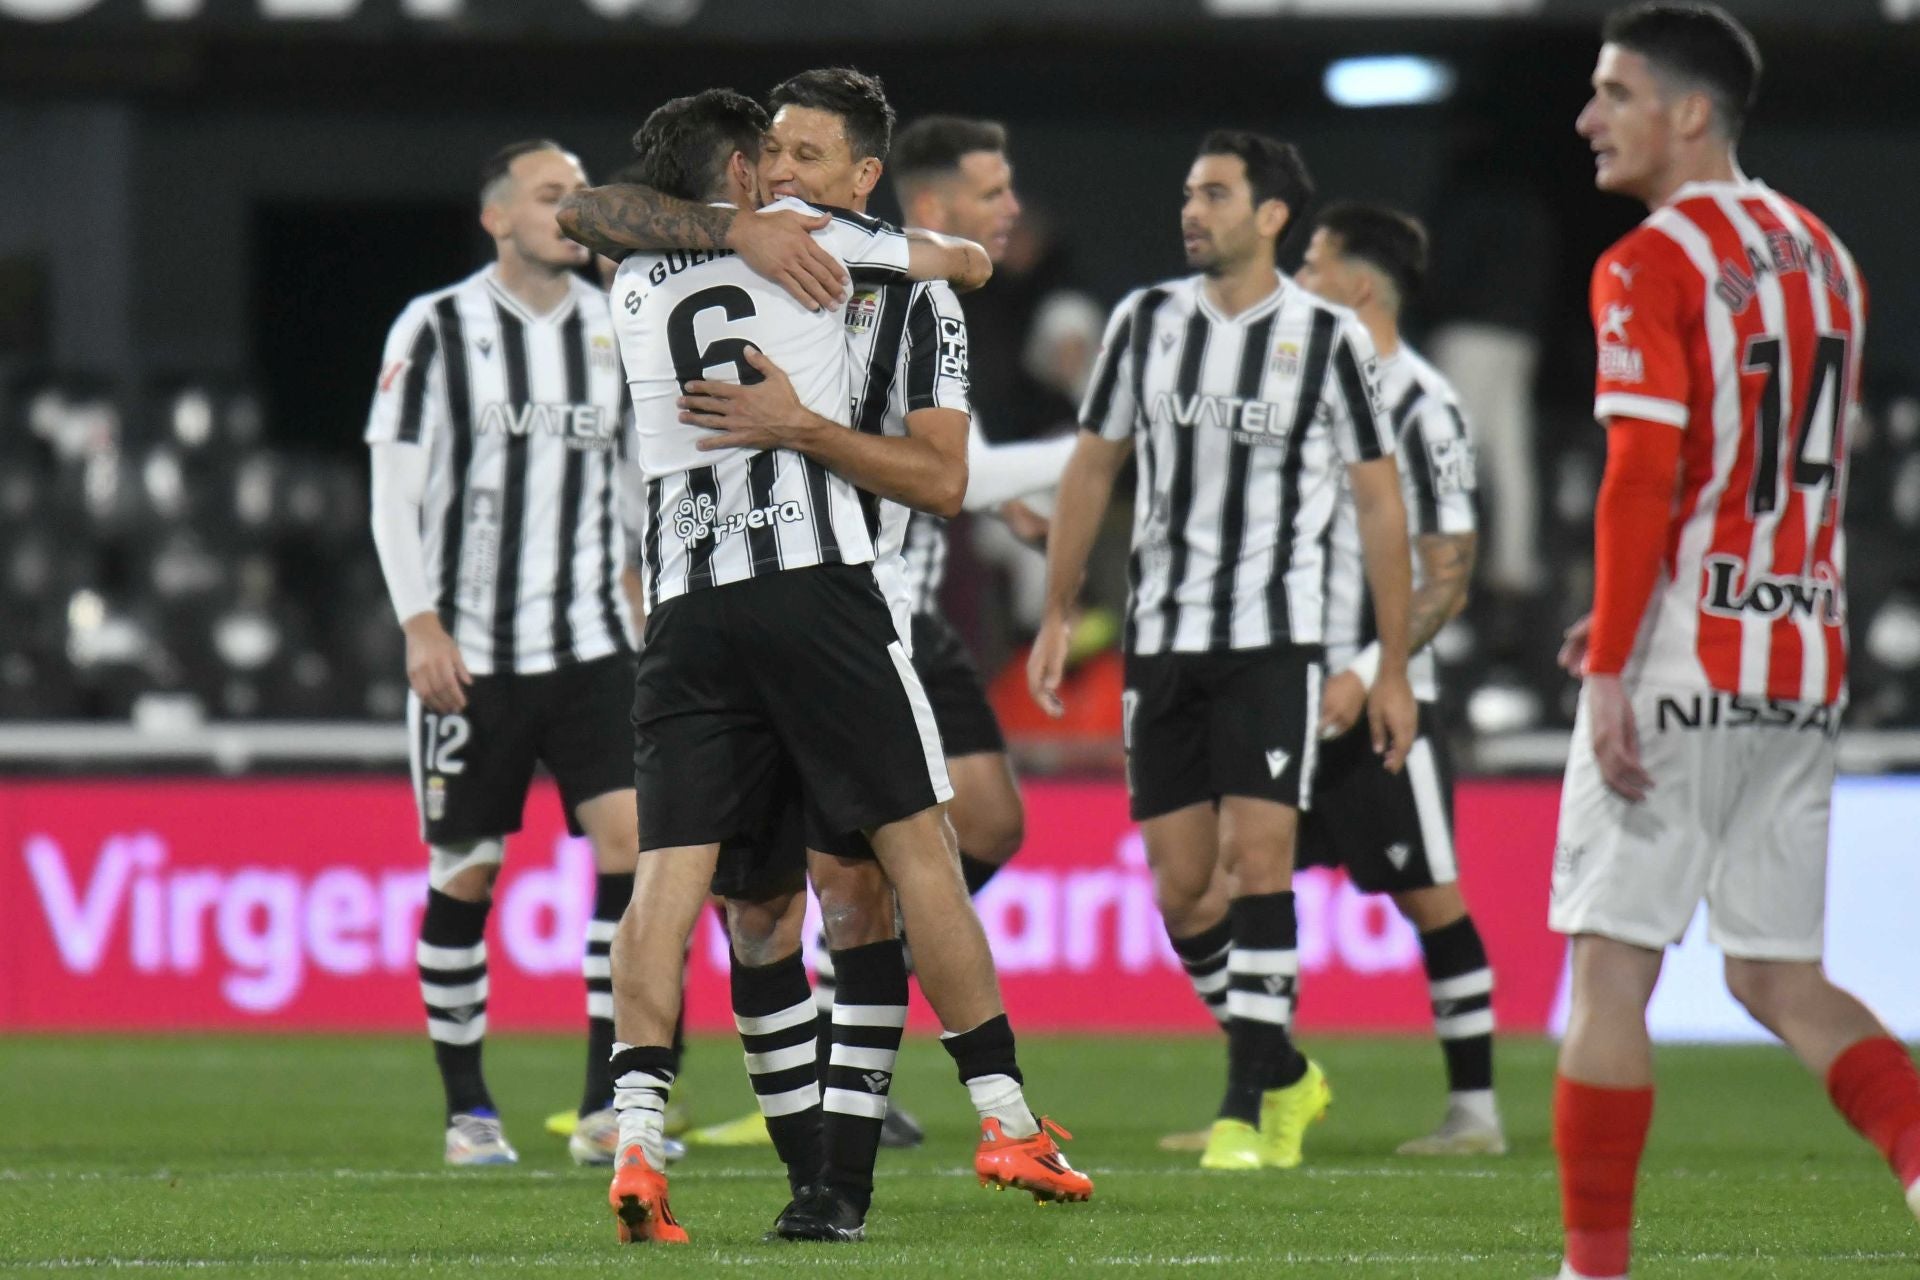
(321, 1157)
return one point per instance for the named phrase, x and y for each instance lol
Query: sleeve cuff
(1624, 404)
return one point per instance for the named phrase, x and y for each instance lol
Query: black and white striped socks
(452, 955)
(869, 1017)
(1263, 970)
(1460, 982)
(611, 893)
(1204, 957)
(773, 1011)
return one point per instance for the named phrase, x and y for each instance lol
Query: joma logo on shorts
(1737, 711)
(1769, 595)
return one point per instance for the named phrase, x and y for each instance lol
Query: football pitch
(317, 1156)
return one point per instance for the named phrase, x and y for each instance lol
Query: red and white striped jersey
(1735, 315)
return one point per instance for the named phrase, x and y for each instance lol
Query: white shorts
(1738, 814)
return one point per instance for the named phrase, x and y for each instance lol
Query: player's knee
(1430, 909)
(1768, 989)
(856, 912)
(1258, 862)
(465, 872)
(754, 931)
(1001, 836)
(1181, 893)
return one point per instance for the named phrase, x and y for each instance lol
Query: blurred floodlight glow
(1388, 80)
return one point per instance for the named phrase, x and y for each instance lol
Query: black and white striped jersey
(1437, 481)
(1242, 427)
(522, 417)
(911, 342)
(726, 516)
(925, 560)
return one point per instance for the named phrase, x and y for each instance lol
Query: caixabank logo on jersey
(577, 426)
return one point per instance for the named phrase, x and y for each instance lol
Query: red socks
(1876, 1088)
(1598, 1134)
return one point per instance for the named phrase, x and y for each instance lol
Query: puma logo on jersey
(1625, 273)
(1277, 762)
(1613, 323)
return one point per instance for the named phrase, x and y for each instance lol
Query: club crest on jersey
(601, 354)
(1286, 359)
(1770, 595)
(436, 799)
(862, 310)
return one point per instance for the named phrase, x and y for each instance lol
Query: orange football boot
(639, 1200)
(1034, 1165)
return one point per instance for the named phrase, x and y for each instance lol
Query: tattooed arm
(1446, 565)
(620, 218)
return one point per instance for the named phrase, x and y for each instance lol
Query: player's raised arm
(626, 217)
(933, 256)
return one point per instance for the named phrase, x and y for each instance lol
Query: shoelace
(480, 1130)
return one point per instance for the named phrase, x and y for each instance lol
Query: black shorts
(1392, 832)
(471, 768)
(959, 697)
(797, 674)
(774, 860)
(1199, 726)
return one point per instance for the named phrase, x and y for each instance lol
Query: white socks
(1002, 1098)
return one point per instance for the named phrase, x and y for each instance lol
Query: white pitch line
(502, 1177)
(881, 1258)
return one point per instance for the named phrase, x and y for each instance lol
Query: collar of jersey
(1254, 312)
(507, 299)
(1737, 187)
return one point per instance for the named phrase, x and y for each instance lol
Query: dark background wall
(256, 205)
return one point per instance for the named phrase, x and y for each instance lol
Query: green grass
(320, 1157)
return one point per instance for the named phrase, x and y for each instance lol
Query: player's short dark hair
(1382, 237)
(934, 145)
(1699, 43)
(500, 163)
(857, 98)
(1275, 169)
(683, 148)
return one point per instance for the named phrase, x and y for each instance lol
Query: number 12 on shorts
(443, 739)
